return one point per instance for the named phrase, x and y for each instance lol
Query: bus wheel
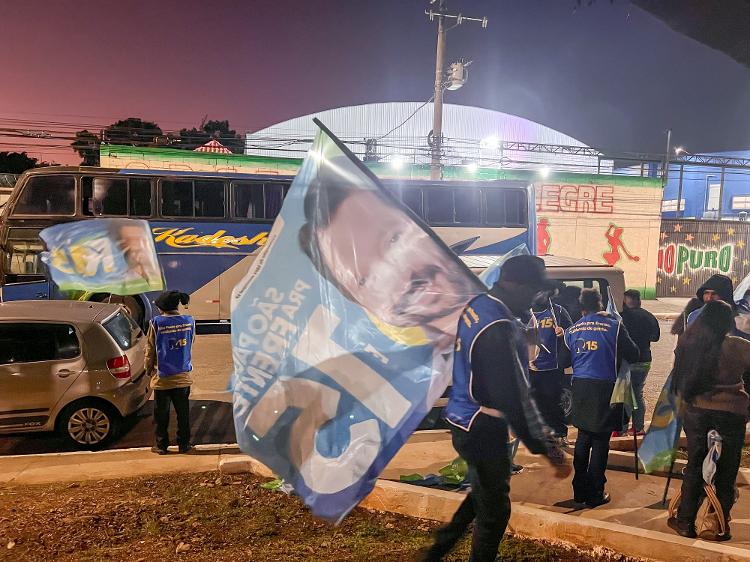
(131, 304)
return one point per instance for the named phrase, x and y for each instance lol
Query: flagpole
(635, 452)
(671, 466)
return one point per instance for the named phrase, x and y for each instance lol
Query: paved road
(211, 413)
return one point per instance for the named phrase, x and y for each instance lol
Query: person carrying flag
(546, 371)
(598, 342)
(490, 393)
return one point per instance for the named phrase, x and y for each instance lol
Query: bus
(208, 227)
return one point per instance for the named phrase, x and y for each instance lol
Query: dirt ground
(208, 517)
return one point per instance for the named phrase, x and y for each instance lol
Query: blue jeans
(638, 374)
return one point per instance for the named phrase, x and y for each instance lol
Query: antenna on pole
(456, 78)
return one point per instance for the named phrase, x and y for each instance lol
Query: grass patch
(208, 518)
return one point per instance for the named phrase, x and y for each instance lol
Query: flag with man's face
(102, 256)
(343, 331)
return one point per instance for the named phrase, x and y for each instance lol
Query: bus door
(24, 273)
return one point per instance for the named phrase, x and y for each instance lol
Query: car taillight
(119, 367)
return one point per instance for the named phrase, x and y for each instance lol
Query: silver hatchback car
(72, 367)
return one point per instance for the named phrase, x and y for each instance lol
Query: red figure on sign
(614, 239)
(543, 239)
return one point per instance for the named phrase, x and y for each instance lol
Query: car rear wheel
(89, 424)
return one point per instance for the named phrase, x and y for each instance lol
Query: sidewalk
(633, 523)
(665, 308)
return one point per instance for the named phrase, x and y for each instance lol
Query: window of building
(670, 205)
(48, 195)
(741, 202)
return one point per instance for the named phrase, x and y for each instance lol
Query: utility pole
(665, 175)
(437, 117)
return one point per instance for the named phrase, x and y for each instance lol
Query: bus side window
(248, 200)
(273, 198)
(467, 206)
(139, 197)
(439, 205)
(105, 196)
(412, 198)
(209, 199)
(48, 195)
(515, 207)
(176, 198)
(494, 204)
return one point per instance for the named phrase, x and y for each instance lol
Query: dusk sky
(610, 75)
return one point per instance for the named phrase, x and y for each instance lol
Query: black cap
(170, 300)
(526, 270)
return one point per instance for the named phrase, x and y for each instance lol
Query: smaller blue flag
(660, 442)
(103, 256)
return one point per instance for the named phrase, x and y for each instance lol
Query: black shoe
(683, 529)
(158, 450)
(188, 449)
(601, 500)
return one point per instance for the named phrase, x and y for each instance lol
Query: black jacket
(643, 328)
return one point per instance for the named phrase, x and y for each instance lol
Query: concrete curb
(107, 465)
(531, 521)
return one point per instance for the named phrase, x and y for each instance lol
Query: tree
(190, 139)
(132, 131)
(18, 162)
(87, 146)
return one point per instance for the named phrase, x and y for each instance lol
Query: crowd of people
(508, 377)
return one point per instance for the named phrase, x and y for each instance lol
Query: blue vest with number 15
(593, 346)
(546, 324)
(174, 340)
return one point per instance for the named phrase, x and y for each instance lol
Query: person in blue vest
(597, 344)
(547, 370)
(490, 393)
(168, 362)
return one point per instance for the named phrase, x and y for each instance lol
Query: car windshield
(123, 330)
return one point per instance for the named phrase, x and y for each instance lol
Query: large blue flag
(103, 256)
(342, 331)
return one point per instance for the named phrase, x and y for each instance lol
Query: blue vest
(546, 322)
(593, 347)
(174, 340)
(481, 312)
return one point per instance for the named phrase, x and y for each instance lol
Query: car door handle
(64, 373)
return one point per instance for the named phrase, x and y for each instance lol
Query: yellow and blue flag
(102, 256)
